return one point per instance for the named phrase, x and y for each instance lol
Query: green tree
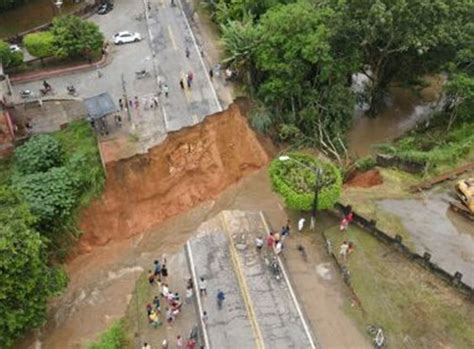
(51, 196)
(26, 280)
(39, 154)
(75, 37)
(40, 44)
(240, 40)
(401, 39)
(9, 58)
(296, 183)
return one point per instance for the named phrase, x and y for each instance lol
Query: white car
(15, 48)
(126, 37)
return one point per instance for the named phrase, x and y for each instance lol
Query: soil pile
(367, 179)
(190, 166)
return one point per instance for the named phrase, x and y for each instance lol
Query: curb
(58, 72)
(202, 325)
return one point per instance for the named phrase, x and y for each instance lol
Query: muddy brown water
(32, 14)
(404, 110)
(436, 229)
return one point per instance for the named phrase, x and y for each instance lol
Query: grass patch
(80, 146)
(364, 201)
(415, 309)
(438, 149)
(113, 338)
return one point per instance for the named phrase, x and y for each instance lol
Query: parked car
(15, 48)
(126, 37)
(105, 8)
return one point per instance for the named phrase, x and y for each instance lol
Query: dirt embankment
(191, 166)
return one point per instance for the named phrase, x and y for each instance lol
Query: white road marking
(216, 99)
(292, 293)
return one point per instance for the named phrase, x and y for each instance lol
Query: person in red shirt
(270, 241)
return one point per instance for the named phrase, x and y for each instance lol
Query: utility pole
(127, 104)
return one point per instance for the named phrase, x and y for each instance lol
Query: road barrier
(396, 243)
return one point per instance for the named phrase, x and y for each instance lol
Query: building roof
(100, 105)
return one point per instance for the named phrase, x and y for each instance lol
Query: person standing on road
(270, 241)
(156, 302)
(136, 102)
(189, 79)
(205, 317)
(157, 267)
(166, 90)
(179, 342)
(211, 73)
(151, 277)
(259, 243)
(164, 272)
(187, 52)
(189, 294)
(220, 299)
(121, 104)
(203, 287)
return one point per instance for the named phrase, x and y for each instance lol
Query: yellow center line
(173, 42)
(244, 288)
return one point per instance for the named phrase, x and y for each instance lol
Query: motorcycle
(275, 266)
(26, 93)
(71, 90)
(142, 74)
(45, 91)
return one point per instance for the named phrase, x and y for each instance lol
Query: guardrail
(396, 242)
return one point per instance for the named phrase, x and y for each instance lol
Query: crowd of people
(167, 304)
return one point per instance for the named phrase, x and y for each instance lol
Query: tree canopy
(27, 280)
(298, 57)
(9, 58)
(75, 37)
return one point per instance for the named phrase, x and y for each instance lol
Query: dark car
(105, 8)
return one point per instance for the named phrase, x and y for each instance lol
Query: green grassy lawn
(364, 200)
(415, 309)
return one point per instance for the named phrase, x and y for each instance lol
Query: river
(404, 109)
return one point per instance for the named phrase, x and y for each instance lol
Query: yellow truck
(465, 193)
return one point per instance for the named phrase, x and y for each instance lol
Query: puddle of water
(402, 113)
(434, 228)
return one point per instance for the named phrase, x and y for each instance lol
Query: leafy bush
(26, 280)
(366, 163)
(39, 154)
(82, 158)
(9, 58)
(295, 183)
(446, 147)
(113, 338)
(51, 195)
(39, 44)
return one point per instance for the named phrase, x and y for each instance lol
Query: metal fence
(396, 243)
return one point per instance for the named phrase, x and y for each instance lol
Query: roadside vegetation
(113, 338)
(43, 186)
(415, 309)
(295, 181)
(296, 59)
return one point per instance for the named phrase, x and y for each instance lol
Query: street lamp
(317, 186)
